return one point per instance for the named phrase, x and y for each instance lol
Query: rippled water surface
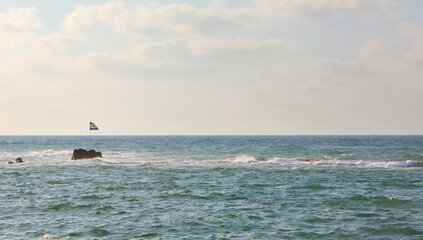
(213, 187)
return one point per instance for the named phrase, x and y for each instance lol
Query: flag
(93, 126)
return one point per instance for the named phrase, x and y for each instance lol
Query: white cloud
(33, 43)
(192, 64)
(415, 32)
(18, 20)
(146, 21)
(377, 48)
(212, 46)
(181, 20)
(390, 59)
(409, 29)
(323, 9)
(19, 28)
(180, 58)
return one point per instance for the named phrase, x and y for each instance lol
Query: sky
(211, 67)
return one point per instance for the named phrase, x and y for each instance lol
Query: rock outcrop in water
(17, 160)
(84, 154)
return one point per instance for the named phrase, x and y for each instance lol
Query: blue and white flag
(93, 126)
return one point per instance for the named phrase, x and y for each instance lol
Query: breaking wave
(253, 160)
(35, 154)
(50, 156)
(247, 159)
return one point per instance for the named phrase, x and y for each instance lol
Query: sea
(212, 187)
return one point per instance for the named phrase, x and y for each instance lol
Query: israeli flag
(93, 126)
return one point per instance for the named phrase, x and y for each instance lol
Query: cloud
(33, 43)
(19, 28)
(213, 46)
(181, 20)
(195, 64)
(381, 59)
(180, 58)
(409, 29)
(389, 58)
(415, 32)
(154, 20)
(323, 9)
(18, 20)
(377, 48)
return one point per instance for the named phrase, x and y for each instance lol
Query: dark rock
(18, 160)
(260, 159)
(309, 160)
(10, 162)
(84, 154)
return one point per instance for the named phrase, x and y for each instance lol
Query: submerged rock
(84, 154)
(18, 160)
(10, 162)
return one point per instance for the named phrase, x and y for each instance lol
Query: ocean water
(212, 187)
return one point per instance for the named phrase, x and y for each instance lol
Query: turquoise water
(213, 187)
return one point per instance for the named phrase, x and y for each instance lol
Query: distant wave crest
(300, 161)
(51, 156)
(38, 153)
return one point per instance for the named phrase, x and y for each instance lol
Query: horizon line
(106, 135)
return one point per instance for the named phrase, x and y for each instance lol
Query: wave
(245, 159)
(48, 152)
(324, 161)
(124, 162)
(39, 153)
(52, 156)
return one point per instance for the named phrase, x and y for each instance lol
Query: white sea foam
(119, 154)
(50, 156)
(252, 160)
(36, 158)
(47, 152)
(325, 161)
(244, 159)
(112, 161)
(388, 164)
(40, 153)
(48, 236)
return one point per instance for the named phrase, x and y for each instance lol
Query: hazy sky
(211, 67)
